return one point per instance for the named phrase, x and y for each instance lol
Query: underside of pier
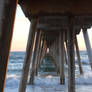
(54, 26)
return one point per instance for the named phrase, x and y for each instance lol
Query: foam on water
(48, 83)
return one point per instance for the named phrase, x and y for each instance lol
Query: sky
(21, 30)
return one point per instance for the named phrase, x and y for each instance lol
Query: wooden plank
(7, 18)
(28, 55)
(88, 46)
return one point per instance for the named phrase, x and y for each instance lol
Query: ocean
(48, 80)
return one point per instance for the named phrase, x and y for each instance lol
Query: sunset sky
(21, 31)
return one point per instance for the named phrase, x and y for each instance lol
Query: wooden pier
(53, 23)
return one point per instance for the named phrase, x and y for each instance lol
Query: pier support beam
(38, 53)
(44, 51)
(41, 53)
(65, 55)
(28, 55)
(55, 63)
(34, 60)
(61, 57)
(78, 56)
(54, 50)
(88, 46)
(71, 61)
(7, 18)
(32, 74)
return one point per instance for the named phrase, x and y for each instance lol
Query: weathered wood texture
(7, 17)
(78, 56)
(71, 61)
(28, 55)
(88, 46)
(61, 57)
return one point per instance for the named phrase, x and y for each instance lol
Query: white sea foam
(49, 84)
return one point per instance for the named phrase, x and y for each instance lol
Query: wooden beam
(28, 55)
(61, 57)
(78, 56)
(7, 18)
(88, 46)
(71, 63)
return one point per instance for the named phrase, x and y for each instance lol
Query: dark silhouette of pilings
(44, 51)
(34, 60)
(88, 46)
(28, 55)
(65, 55)
(78, 55)
(54, 51)
(55, 63)
(41, 53)
(61, 57)
(71, 63)
(38, 53)
(7, 18)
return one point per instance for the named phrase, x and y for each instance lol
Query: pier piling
(7, 18)
(78, 56)
(29, 49)
(88, 46)
(34, 60)
(61, 57)
(71, 62)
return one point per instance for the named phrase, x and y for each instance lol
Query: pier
(54, 26)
